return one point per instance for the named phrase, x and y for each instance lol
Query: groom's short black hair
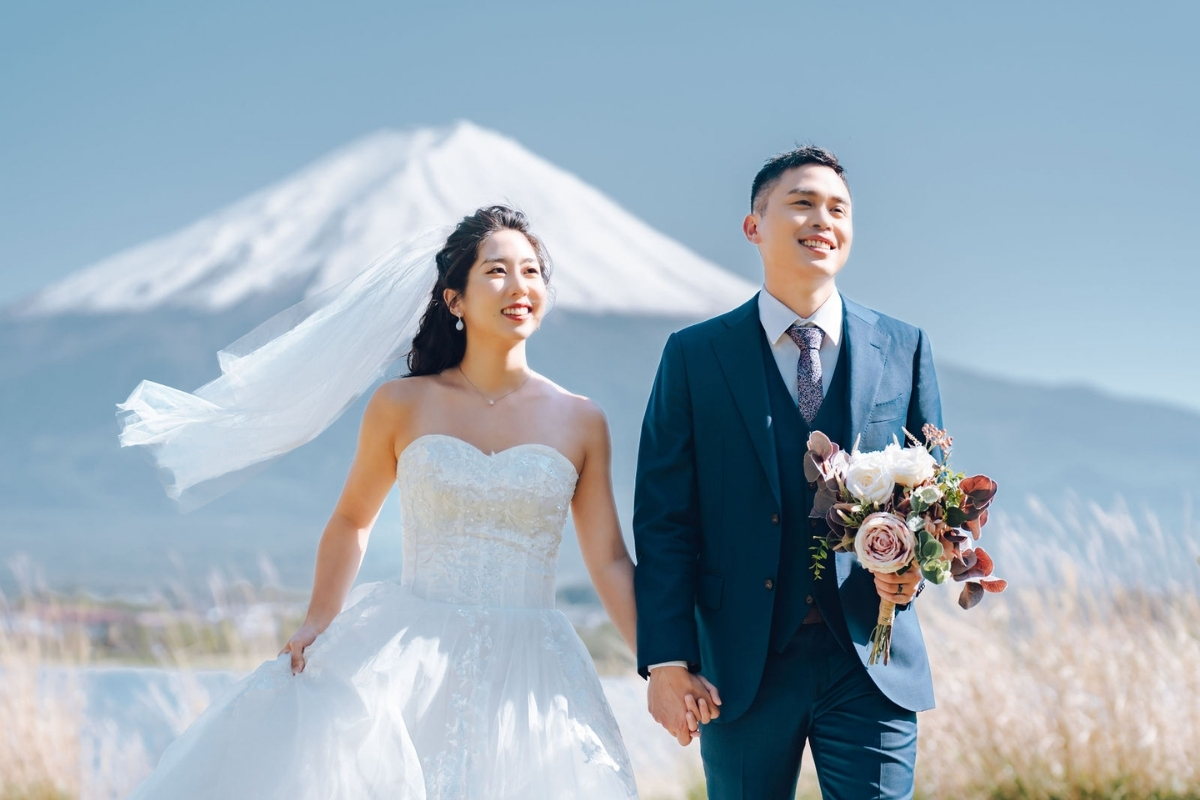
(777, 165)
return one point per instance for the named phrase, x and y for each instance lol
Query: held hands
(681, 702)
(299, 642)
(896, 588)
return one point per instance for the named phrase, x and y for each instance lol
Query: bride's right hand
(296, 646)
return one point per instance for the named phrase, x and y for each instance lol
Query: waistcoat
(796, 591)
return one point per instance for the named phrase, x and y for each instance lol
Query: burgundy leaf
(984, 561)
(980, 488)
(837, 528)
(975, 526)
(976, 563)
(972, 593)
(822, 503)
(994, 585)
(963, 563)
(979, 491)
(812, 471)
(820, 444)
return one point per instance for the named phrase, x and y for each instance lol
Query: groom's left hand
(701, 713)
(896, 588)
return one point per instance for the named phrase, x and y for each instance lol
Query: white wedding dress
(459, 682)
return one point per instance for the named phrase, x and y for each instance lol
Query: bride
(460, 680)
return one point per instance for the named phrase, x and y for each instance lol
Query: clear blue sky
(1025, 174)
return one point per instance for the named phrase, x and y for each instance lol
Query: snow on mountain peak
(330, 219)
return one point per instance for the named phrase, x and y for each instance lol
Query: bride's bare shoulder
(583, 411)
(407, 389)
(398, 398)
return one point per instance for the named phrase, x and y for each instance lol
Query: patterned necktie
(808, 369)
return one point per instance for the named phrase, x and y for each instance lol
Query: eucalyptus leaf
(936, 572)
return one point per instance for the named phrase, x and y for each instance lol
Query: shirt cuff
(653, 667)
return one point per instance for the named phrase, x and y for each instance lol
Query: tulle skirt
(409, 699)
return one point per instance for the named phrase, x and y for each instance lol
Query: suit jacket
(707, 501)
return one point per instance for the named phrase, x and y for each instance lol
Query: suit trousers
(863, 744)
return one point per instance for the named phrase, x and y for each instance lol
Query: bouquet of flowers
(899, 509)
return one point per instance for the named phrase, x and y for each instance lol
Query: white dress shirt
(776, 318)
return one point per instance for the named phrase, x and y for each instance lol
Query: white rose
(910, 466)
(869, 478)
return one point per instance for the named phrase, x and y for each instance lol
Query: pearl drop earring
(458, 326)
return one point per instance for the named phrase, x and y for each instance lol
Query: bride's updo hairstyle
(437, 345)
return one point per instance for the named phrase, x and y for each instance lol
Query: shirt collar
(776, 318)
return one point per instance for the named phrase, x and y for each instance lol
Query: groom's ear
(750, 228)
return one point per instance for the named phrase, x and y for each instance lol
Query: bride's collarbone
(538, 418)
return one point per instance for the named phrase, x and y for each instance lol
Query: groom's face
(803, 226)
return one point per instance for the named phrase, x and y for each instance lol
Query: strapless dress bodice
(483, 529)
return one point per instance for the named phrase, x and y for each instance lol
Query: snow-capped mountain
(328, 221)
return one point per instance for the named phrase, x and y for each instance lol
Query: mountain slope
(328, 221)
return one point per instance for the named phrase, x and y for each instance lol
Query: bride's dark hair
(438, 345)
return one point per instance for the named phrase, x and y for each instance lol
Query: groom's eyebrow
(811, 193)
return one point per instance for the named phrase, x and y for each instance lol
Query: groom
(721, 518)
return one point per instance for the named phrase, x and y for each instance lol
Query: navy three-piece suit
(723, 538)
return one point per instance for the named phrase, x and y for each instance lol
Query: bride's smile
(505, 293)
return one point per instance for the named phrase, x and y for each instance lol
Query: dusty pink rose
(884, 543)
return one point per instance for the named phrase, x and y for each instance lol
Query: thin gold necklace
(490, 401)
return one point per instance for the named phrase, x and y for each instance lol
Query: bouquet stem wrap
(881, 636)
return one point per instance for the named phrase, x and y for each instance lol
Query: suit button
(812, 485)
(769, 584)
(774, 519)
(814, 523)
(809, 600)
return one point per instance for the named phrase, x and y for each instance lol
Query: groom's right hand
(679, 701)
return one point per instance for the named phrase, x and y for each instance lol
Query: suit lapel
(738, 351)
(868, 358)
(867, 355)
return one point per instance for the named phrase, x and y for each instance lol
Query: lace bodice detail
(483, 529)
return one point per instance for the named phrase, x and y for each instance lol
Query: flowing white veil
(286, 381)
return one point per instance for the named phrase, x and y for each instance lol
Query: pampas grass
(40, 748)
(1081, 682)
